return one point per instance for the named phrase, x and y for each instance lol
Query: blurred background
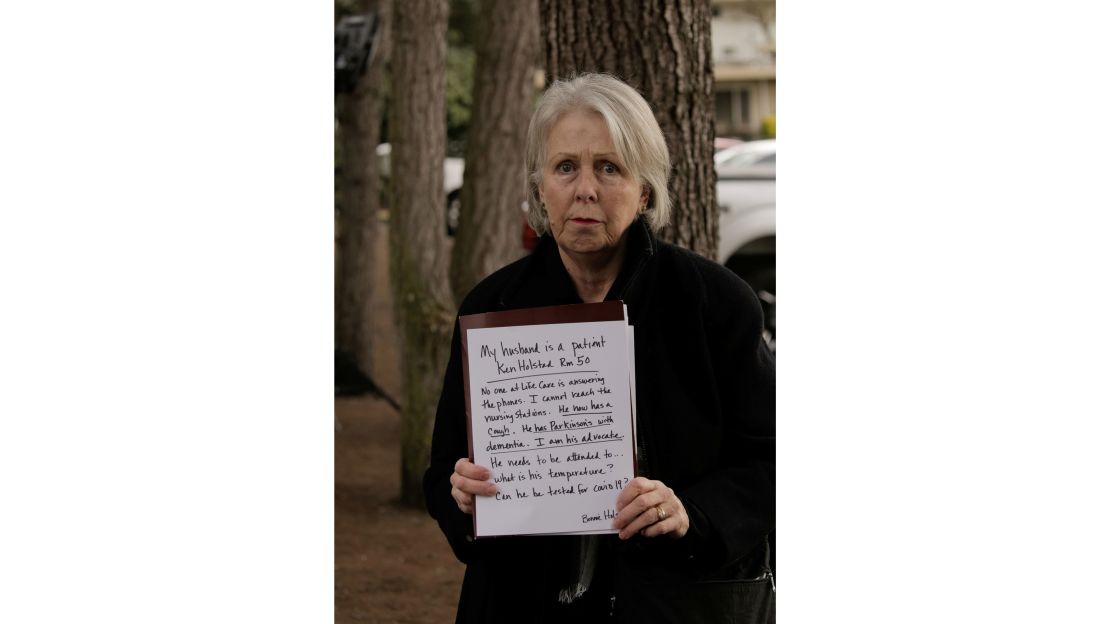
(432, 100)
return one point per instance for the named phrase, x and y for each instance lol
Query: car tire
(759, 273)
(454, 206)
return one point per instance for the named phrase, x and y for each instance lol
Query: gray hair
(632, 126)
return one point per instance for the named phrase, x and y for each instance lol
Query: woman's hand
(469, 480)
(650, 508)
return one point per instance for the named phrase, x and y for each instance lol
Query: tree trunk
(662, 48)
(358, 115)
(490, 221)
(418, 130)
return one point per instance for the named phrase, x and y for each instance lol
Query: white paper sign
(551, 418)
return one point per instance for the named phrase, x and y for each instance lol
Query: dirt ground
(392, 565)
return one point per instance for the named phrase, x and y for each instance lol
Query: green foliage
(343, 8)
(460, 83)
(462, 28)
(462, 25)
(768, 127)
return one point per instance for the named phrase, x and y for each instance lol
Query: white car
(746, 199)
(749, 154)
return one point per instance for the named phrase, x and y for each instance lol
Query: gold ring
(662, 514)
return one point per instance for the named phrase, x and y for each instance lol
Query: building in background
(743, 33)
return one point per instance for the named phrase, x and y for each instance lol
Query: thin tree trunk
(490, 222)
(662, 48)
(359, 117)
(418, 129)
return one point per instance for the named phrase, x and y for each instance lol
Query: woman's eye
(564, 167)
(609, 168)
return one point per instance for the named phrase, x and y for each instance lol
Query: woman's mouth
(582, 221)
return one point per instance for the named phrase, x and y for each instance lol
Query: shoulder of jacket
(723, 298)
(716, 286)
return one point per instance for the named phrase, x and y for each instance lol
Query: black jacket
(705, 391)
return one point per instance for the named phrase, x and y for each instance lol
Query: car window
(747, 159)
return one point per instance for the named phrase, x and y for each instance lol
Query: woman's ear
(645, 195)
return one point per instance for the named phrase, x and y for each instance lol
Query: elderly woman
(693, 526)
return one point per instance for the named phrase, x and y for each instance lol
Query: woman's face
(590, 196)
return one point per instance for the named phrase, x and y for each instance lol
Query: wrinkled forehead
(579, 129)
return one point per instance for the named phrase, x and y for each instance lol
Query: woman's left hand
(651, 508)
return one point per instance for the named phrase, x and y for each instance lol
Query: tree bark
(358, 115)
(493, 191)
(663, 49)
(418, 128)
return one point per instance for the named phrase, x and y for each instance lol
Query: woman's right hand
(469, 480)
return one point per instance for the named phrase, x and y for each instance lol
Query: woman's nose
(586, 191)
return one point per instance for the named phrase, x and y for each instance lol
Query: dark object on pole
(356, 38)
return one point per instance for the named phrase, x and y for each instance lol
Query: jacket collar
(543, 280)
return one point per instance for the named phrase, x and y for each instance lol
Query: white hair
(632, 127)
